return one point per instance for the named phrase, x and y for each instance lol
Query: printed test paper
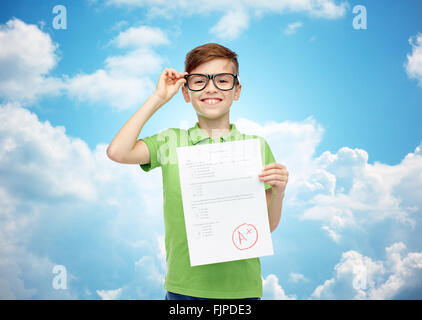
(224, 202)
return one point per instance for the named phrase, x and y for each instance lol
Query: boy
(210, 82)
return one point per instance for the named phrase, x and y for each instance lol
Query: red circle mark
(245, 236)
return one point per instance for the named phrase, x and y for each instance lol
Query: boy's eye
(224, 79)
(197, 80)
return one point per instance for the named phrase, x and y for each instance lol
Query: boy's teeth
(211, 101)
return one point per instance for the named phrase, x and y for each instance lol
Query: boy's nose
(210, 86)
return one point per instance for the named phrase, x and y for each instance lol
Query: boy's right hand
(168, 84)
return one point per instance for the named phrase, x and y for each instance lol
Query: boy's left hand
(276, 175)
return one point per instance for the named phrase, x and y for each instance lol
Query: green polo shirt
(226, 280)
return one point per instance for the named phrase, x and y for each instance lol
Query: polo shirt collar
(196, 134)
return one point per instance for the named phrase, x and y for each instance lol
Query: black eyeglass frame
(212, 77)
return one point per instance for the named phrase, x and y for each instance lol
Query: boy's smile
(212, 103)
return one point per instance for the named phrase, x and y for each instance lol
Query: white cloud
(135, 63)
(142, 36)
(27, 55)
(236, 17)
(231, 25)
(405, 272)
(359, 193)
(273, 290)
(102, 86)
(359, 277)
(147, 265)
(57, 193)
(147, 281)
(125, 2)
(297, 277)
(39, 157)
(110, 294)
(413, 65)
(43, 166)
(123, 83)
(292, 27)
(56, 189)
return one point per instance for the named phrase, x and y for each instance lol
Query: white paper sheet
(224, 202)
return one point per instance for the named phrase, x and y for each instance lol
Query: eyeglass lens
(221, 81)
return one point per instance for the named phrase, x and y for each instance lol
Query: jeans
(176, 296)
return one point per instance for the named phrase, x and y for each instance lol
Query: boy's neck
(215, 128)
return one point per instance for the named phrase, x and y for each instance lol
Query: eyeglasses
(222, 81)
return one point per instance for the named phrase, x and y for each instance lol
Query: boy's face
(212, 103)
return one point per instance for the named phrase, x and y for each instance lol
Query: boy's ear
(237, 90)
(185, 93)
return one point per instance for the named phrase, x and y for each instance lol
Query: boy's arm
(277, 176)
(275, 206)
(125, 148)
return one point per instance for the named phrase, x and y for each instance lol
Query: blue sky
(340, 107)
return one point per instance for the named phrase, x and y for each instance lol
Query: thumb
(180, 82)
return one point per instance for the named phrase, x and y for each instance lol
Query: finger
(276, 183)
(182, 74)
(277, 175)
(274, 165)
(167, 75)
(180, 82)
(177, 74)
(272, 171)
(274, 177)
(173, 74)
(164, 74)
(170, 72)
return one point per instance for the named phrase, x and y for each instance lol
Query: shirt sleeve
(154, 144)
(267, 156)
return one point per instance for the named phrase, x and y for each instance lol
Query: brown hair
(208, 52)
